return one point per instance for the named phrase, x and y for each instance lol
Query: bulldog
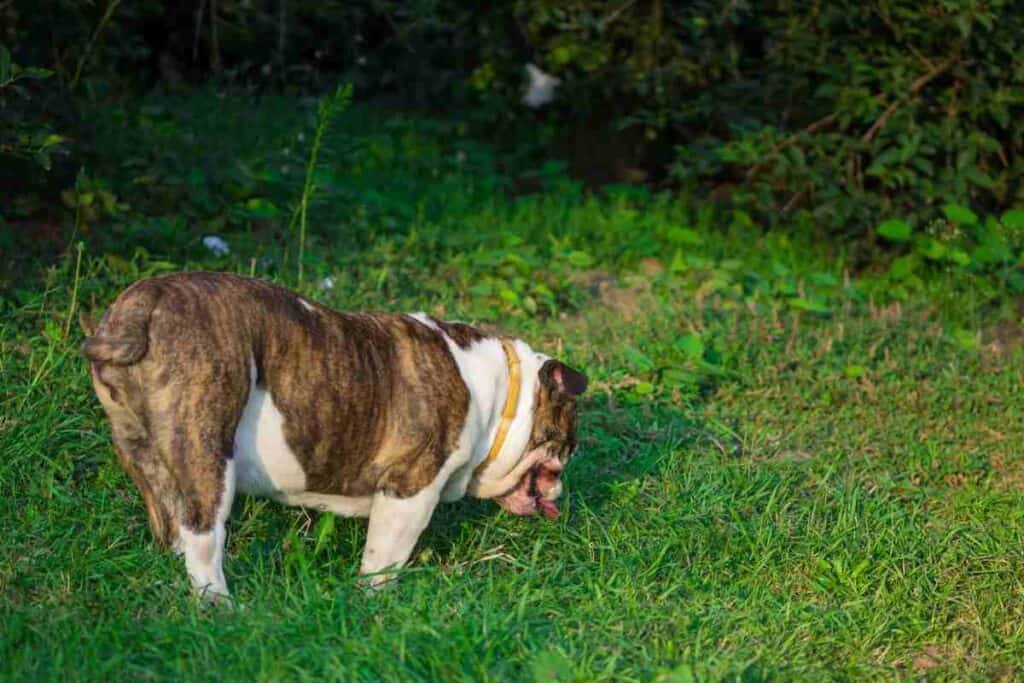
(216, 384)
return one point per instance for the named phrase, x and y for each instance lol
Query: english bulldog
(216, 384)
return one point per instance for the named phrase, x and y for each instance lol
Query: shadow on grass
(620, 441)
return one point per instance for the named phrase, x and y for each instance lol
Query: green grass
(786, 471)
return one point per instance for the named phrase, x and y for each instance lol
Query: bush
(847, 108)
(843, 111)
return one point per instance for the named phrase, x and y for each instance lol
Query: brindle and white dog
(216, 383)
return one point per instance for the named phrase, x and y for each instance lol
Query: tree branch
(915, 87)
(913, 90)
(823, 122)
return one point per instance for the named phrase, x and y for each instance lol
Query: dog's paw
(374, 583)
(211, 597)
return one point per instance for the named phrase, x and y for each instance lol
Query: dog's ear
(559, 377)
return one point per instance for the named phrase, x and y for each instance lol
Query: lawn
(792, 466)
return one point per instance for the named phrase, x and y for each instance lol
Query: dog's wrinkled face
(553, 439)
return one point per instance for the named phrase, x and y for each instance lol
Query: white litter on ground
(541, 89)
(217, 245)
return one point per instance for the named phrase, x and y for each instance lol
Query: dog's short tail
(123, 335)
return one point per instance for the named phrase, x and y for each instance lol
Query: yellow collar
(511, 401)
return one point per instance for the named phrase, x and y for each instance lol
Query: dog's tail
(121, 340)
(122, 337)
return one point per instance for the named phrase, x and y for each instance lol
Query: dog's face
(552, 439)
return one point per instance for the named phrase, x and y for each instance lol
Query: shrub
(846, 108)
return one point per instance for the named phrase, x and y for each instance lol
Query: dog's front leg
(395, 526)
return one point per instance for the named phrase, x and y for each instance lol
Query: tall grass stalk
(80, 247)
(327, 110)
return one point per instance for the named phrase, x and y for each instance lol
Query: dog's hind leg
(194, 430)
(158, 489)
(202, 542)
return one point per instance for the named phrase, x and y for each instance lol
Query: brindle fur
(371, 401)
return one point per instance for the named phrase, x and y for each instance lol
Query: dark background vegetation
(837, 114)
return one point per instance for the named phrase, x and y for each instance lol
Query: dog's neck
(491, 389)
(493, 476)
(508, 412)
(484, 366)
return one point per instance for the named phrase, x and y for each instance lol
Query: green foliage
(19, 136)
(843, 110)
(831, 113)
(961, 243)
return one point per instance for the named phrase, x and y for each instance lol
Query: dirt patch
(930, 657)
(1008, 474)
(627, 300)
(1004, 338)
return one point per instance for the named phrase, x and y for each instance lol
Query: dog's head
(551, 444)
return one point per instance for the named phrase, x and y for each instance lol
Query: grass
(787, 471)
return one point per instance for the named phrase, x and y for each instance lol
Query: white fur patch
(305, 304)
(484, 369)
(266, 466)
(346, 506)
(204, 552)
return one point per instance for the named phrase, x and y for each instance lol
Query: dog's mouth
(536, 492)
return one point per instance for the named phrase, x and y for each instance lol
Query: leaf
(42, 158)
(118, 265)
(902, 267)
(895, 230)
(53, 139)
(509, 295)
(854, 371)
(679, 263)
(965, 339)
(958, 256)
(980, 178)
(824, 279)
(643, 389)
(691, 345)
(324, 531)
(1013, 219)
(684, 237)
(580, 259)
(959, 214)
(816, 306)
(260, 207)
(35, 72)
(1015, 281)
(678, 378)
(681, 674)
(639, 359)
(931, 249)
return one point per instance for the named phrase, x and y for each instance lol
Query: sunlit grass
(783, 472)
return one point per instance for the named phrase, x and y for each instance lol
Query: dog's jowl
(216, 384)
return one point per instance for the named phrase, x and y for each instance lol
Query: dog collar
(511, 401)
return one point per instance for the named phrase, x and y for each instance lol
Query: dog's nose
(553, 465)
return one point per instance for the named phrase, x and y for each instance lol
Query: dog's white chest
(265, 465)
